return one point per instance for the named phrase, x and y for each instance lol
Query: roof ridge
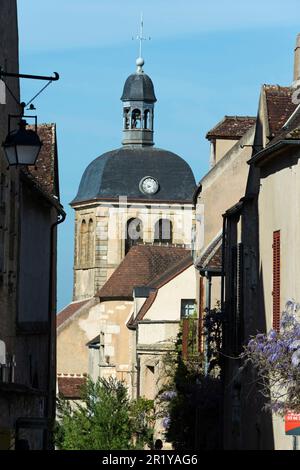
(140, 267)
(60, 320)
(277, 86)
(171, 272)
(232, 127)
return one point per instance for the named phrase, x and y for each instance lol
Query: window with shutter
(276, 280)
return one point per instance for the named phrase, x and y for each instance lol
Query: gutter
(53, 200)
(270, 149)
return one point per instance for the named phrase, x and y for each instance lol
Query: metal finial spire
(140, 37)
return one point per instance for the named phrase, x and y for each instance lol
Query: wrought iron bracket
(32, 77)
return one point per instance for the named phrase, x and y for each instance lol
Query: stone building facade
(29, 213)
(231, 142)
(261, 244)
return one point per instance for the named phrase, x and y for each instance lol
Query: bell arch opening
(163, 231)
(134, 233)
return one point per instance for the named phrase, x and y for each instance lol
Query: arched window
(83, 243)
(163, 231)
(134, 233)
(136, 119)
(90, 253)
(126, 118)
(146, 119)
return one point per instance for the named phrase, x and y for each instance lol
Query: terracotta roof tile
(159, 281)
(68, 311)
(231, 127)
(279, 106)
(172, 271)
(46, 169)
(141, 265)
(291, 131)
(70, 387)
(146, 306)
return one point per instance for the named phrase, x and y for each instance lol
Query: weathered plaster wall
(222, 146)
(224, 185)
(117, 354)
(167, 304)
(72, 336)
(279, 209)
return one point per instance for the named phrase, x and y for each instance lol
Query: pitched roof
(142, 312)
(45, 171)
(211, 258)
(174, 270)
(231, 127)
(291, 129)
(68, 311)
(289, 135)
(279, 106)
(142, 265)
(70, 386)
(159, 281)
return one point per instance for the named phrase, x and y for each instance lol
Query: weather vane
(140, 37)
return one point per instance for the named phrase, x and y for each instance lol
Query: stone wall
(108, 240)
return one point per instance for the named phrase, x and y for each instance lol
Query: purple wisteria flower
(272, 335)
(296, 358)
(276, 358)
(294, 345)
(166, 422)
(168, 395)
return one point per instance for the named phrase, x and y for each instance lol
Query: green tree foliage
(105, 419)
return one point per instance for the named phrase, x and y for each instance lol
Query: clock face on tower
(149, 185)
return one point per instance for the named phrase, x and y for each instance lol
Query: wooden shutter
(201, 315)
(276, 280)
(185, 337)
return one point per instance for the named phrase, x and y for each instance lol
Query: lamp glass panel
(27, 154)
(11, 155)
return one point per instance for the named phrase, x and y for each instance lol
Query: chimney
(297, 60)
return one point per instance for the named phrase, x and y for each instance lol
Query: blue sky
(206, 59)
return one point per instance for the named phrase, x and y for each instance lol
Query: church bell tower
(138, 108)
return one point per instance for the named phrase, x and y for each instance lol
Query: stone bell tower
(129, 195)
(138, 108)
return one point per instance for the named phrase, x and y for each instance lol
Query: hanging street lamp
(22, 146)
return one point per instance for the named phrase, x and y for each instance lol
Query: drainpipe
(49, 412)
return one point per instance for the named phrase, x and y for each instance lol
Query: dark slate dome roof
(138, 87)
(119, 172)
